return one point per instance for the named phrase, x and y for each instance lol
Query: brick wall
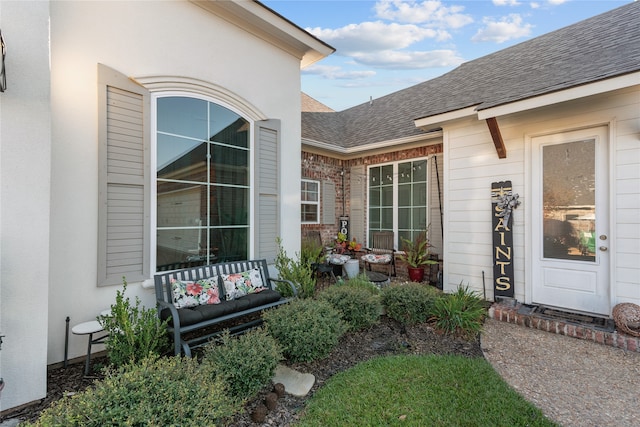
(322, 168)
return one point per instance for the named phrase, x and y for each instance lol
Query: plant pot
(416, 274)
(352, 268)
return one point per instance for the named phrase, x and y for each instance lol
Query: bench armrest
(175, 319)
(289, 282)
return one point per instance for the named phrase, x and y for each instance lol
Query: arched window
(202, 183)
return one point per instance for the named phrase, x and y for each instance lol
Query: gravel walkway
(574, 382)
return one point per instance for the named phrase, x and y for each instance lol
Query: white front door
(570, 221)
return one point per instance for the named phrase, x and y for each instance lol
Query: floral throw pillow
(190, 293)
(237, 285)
(377, 259)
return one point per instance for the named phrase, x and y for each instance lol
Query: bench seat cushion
(200, 313)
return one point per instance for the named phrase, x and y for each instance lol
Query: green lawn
(420, 391)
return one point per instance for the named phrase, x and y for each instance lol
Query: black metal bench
(186, 320)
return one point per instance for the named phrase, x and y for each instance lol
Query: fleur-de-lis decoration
(506, 203)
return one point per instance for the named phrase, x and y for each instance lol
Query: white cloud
(431, 13)
(337, 73)
(534, 5)
(374, 36)
(508, 28)
(403, 60)
(506, 2)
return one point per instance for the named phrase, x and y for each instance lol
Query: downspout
(435, 159)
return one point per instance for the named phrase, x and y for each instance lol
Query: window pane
(420, 194)
(177, 246)
(229, 244)
(404, 173)
(403, 234)
(375, 197)
(309, 191)
(404, 218)
(387, 196)
(229, 206)
(569, 209)
(420, 171)
(419, 219)
(309, 213)
(227, 127)
(183, 116)
(404, 195)
(374, 176)
(229, 165)
(387, 219)
(181, 205)
(387, 174)
(374, 219)
(181, 158)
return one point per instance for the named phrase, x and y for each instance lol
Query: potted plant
(344, 253)
(416, 255)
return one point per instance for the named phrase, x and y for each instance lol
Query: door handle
(603, 248)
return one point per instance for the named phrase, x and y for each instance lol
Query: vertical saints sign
(503, 201)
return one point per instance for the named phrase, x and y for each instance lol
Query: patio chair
(381, 252)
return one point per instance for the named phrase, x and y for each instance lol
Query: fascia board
(266, 24)
(382, 145)
(428, 123)
(596, 88)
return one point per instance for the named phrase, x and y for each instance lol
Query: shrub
(460, 313)
(299, 272)
(156, 391)
(359, 307)
(305, 329)
(134, 332)
(361, 281)
(245, 363)
(410, 303)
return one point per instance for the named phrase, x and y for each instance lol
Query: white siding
(471, 164)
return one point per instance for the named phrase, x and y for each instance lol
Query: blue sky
(384, 46)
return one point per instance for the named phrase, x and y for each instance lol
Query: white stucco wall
(143, 39)
(25, 153)
(472, 164)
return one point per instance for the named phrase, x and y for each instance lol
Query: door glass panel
(569, 210)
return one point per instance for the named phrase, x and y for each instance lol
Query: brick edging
(615, 339)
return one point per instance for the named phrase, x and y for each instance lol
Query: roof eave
(430, 122)
(551, 98)
(576, 92)
(381, 145)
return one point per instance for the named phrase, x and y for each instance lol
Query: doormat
(594, 322)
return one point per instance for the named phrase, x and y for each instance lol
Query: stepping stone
(295, 383)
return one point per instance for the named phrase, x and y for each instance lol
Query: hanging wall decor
(503, 201)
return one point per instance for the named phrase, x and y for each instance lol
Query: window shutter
(357, 180)
(328, 202)
(267, 182)
(124, 179)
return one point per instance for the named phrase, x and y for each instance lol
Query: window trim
(311, 203)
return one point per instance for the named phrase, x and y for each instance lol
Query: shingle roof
(605, 46)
